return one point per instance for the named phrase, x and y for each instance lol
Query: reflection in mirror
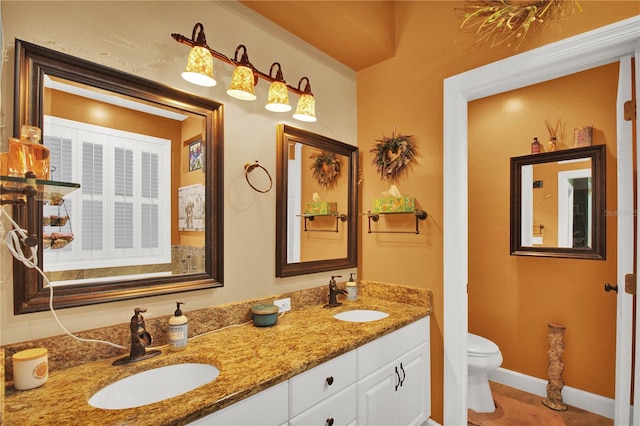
(316, 219)
(147, 219)
(558, 203)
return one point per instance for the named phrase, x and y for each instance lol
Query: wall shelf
(26, 191)
(311, 217)
(419, 215)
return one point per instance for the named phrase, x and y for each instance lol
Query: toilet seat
(479, 346)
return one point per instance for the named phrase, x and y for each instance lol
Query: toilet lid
(477, 345)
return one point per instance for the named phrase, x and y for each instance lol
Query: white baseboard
(575, 397)
(430, 422)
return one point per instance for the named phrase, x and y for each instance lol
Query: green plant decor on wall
(393, 154)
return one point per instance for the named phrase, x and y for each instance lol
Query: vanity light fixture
(243, 79)
(199, 71)
(306, 109)
(278, 100)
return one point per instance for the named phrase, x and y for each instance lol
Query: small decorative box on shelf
(394, 204)
(321, 207)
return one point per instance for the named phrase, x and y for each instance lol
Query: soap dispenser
(178, 329)
(352, 288)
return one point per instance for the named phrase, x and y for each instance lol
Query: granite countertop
(250, 359)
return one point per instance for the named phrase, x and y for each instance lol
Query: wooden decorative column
(556, 367)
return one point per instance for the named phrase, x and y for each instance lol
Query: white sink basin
(361, 315)
(153, 385)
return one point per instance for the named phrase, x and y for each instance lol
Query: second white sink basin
(361, 315)
(153, 385)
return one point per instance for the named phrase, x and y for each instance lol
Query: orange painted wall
(534, 291)
(406, 92)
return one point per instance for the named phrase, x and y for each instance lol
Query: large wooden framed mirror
(148, 218)
(558, 204)
(316, 203)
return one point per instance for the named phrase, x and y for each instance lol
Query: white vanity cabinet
(394, 377)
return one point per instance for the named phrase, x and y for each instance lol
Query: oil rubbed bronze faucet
(333, 292)
(140, 338)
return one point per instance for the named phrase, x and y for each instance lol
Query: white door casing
(588, 50)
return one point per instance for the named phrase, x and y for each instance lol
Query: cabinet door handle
(398, 382)
(404, 375)
(330, 421)
(329, 380)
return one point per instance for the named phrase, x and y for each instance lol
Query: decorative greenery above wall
(393, 154)
(500, 21)
(326, 167)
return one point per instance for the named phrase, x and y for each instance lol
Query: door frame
(579, 53)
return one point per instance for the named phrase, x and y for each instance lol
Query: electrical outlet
(283, 305)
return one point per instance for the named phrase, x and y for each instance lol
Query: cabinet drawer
(268, 407)
(321, 382)
(387, 348)
(341, 408)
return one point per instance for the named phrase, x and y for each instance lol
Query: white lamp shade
(199, 68)
(306, 110)
(278, 100)
(242, 83)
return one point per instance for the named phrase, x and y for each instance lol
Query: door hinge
(630, 283)
(630, 110)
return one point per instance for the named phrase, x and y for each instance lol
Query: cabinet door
(269, 407)
(376, 396)
(413, 399)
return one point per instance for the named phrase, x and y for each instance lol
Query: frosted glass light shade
(242, 82)
(306, 110)
(199, 68)
(278, 100)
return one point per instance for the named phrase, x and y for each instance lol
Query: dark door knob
(329, 380)
(608, 287)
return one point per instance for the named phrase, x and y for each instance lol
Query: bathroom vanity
(386, 381)
(310, 366)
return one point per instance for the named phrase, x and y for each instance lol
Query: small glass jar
(27, 154)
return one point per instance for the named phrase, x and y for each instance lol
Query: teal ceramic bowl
(264, 315)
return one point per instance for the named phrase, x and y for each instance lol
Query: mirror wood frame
(597, 154)
(286, 135)
(32, 62)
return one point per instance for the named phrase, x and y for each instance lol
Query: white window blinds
(121, 215)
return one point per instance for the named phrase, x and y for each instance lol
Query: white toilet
(483, 356)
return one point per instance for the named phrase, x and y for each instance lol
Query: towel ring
(248, 168)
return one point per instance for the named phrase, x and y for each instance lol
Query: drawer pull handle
(330, 382)
(404, 375)
(330, 421)
(398, 382)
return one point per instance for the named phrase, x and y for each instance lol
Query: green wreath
(326, 167)
(392, 155)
